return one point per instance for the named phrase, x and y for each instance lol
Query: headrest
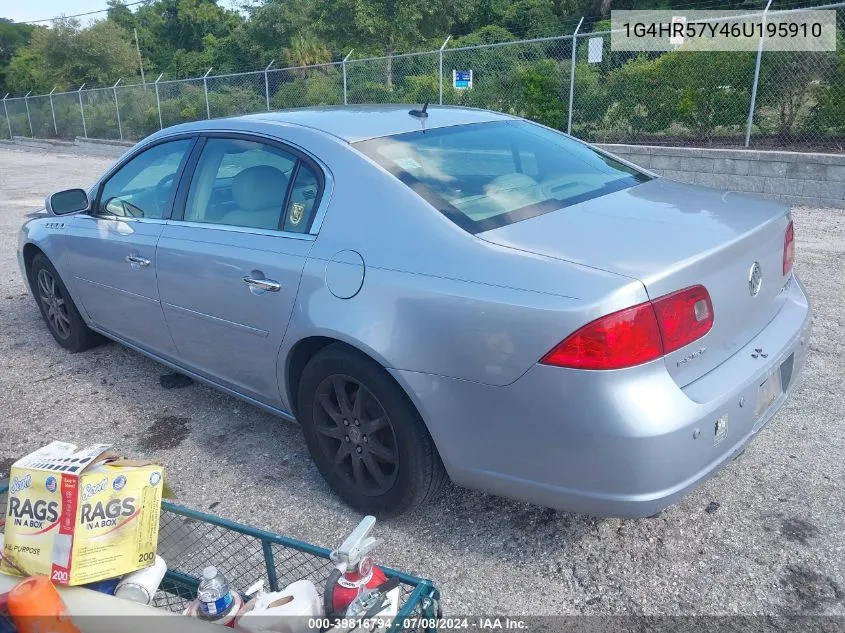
(259, 187)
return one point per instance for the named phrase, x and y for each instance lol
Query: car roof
(361, 122)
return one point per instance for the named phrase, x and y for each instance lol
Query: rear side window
(253, 185)
(488, 175)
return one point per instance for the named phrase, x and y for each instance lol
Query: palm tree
(306, 50)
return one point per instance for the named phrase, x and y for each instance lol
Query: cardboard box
(78, 516)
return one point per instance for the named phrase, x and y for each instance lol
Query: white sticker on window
(407, 163)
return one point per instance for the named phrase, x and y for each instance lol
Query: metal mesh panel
(528, 79)
(138, 110)
(236, 94)
(189, 546)
(41, 116)
(305, 86)
(801, 99)
(181, 101)
(68, 115)
(410, 78)
(665, 98)
(4, 125)
(18, 117)
(100, 113)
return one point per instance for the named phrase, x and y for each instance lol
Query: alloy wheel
(356, 434)
(55, 305)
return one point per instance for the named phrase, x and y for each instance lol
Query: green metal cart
(190, 540)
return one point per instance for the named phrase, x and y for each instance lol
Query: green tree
(268, 31)
(384, 26)
(13, 36)
(306, 50)
(180, 37)
(68, 55)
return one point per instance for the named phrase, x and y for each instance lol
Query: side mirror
(68, 201)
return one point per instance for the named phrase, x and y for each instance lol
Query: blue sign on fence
(462, 79)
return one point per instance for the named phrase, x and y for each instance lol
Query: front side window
(143, 187)
(253, 185)
(486, 175)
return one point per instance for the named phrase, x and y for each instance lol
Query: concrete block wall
(88, 146)
(794, 177)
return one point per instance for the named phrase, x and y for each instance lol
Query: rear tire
(58, 309)
(365, 436)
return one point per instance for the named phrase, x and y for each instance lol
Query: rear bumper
(621, 443)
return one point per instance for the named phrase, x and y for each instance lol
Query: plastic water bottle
(214, 596)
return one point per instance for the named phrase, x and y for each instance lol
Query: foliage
(713, 88)
(643, 98)
(68, 55)
(178, 37)
(787, 79)
(306, 50)
(13, 37)
(828, 113)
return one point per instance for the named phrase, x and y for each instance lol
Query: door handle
(262, 284)
(138, 260)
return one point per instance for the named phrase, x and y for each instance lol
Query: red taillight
(683, 317)
(621, 339)
(638, 334)
(788, 248)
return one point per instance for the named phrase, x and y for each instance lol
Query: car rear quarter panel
(436, 299)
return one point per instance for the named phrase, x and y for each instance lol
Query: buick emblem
(755, 279)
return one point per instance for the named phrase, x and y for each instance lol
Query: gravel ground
(766, 536)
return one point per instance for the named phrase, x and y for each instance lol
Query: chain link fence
(18, 117)
(181, 101)
(68, 109)
(573, 82)
(408, 78)
(320, 84)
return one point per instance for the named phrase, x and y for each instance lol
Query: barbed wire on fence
(574, 82)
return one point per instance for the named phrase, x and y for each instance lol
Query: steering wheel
(162, 191)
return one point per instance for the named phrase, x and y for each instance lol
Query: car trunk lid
(671, 235)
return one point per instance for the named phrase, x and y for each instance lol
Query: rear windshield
(486, 175)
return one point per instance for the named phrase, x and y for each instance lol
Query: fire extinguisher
(354, 572)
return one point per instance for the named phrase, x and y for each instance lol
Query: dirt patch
(808, 589)
(798, 530)
(168, 431)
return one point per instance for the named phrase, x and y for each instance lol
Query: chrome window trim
(325, 199)
(122, 218)
(232, 228)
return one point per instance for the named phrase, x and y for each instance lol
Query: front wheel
(59, 312)
(365, 436)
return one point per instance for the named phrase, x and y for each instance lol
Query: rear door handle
(262, 284)
(138, 260)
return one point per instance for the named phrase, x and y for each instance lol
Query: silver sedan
(440, 292)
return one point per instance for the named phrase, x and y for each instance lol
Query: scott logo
(20, 484)
(92, 489)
